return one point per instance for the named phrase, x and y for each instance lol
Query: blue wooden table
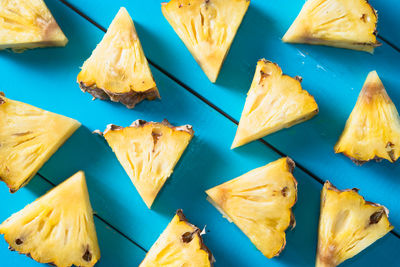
(126, 227)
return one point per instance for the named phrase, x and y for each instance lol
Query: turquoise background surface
(126, 228)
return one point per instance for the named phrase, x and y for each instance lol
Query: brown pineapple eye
(183, 243)
(254, 202)
(341, 233)
(51, 230)
(148, 151)
(373, 115)
(274, 101)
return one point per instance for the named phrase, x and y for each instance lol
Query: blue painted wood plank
(334, 76)
(388, 20)
(206, 163)
(46, 78)
(113, 195)
(115, 249)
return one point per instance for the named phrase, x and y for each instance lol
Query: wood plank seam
(215, 107)
(389, 43)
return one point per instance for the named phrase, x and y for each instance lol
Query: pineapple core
(29, 136)
(148, 151)
(373, 129)
(340, 23)
(179, 245)
(274, 101)
(57, 228)
(347, 225)
(259, 203)
(207, 27)
(118, 70)
(26, 24)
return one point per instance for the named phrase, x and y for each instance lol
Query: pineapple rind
(27, 24)
(29, 136)
(248, 202)
(207, 28)
(129, 99)
(274, 101)
(342, 23)
(118, 69)
(348, 224)
(372, 131)
(56, 228)
(179, 245)
(148, 151)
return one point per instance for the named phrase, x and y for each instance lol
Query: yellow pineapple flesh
(207, 27)
(274, 101)
(118, 70)
(373, 129)
(259, 203)
(148, 151)
(339, 23)
(347, 225)
(29, 136)
(179, 245)
(26, 24)
(57, 228)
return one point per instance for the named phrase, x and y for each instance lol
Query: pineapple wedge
(274, 101)
(26, 24)
(179, 245)
(347, 225)
(28, 138)
(339, 23)
(57, 228)
(373, 128)
(148, 151)
(207, 27)
(118, 70)
(259, 203)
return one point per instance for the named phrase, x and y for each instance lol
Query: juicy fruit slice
(373, 128)
(56, 228)
(207, 27)
(29, 136)
(26, 24)
(148, 151)
(259, 203)
(339, 23)
(274, 101)
(347, 225)
(118, 70)
(179, 245)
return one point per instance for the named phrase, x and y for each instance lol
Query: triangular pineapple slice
(56, 228)
(274, 101)
(118, 70)
(207, 28)
(259, 203)
(29, 136)
(373, 129)
(347, 225)
(148, 151)
(179, 245)
(339, 23)
(26, 24)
